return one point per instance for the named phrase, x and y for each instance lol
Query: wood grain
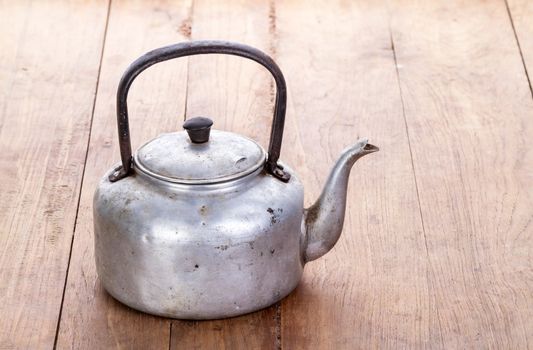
(437, 245)
(91, 318)
(237, 95)
(236, 92)
(47, 90)
(521, 13)
(371, 290)
(469, 112)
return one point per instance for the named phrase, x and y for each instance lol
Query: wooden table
(436, 251)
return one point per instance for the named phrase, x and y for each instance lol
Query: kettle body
(219, 251)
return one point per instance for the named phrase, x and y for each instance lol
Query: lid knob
(198, 129)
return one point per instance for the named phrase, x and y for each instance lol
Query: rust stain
(274, 215)
(203, 210)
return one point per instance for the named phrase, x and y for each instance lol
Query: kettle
(205, 224)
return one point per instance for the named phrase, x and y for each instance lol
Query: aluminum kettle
(205, 224)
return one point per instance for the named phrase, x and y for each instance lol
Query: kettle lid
(199, 156)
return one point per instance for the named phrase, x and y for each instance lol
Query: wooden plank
(521, 12)
(91, 318)
(47, 92)
(238, 95)
(14, 28)
(371, 290)
(469, 112)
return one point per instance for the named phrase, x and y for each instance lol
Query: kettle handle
(198, 48)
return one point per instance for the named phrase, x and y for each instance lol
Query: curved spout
(324, 219)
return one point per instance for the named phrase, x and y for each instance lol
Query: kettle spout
(325, 218)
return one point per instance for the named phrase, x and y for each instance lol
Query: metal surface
(325, 218)
(198, 48)
(213, 250)
(174, 158)
(199, 251)
(202, 230)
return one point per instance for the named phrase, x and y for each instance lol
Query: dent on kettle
(325, 218)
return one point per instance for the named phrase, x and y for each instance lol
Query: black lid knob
(198, 129)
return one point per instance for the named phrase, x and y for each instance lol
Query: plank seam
(519, 47)
(277, 329)
(509, 14)
(170, 336)
(190, 17)
(186, 91)
(413, 169)
(83, 173)
(408, 140)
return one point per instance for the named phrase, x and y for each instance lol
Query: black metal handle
(199, 48)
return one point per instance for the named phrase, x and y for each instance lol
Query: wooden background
(436, 251)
